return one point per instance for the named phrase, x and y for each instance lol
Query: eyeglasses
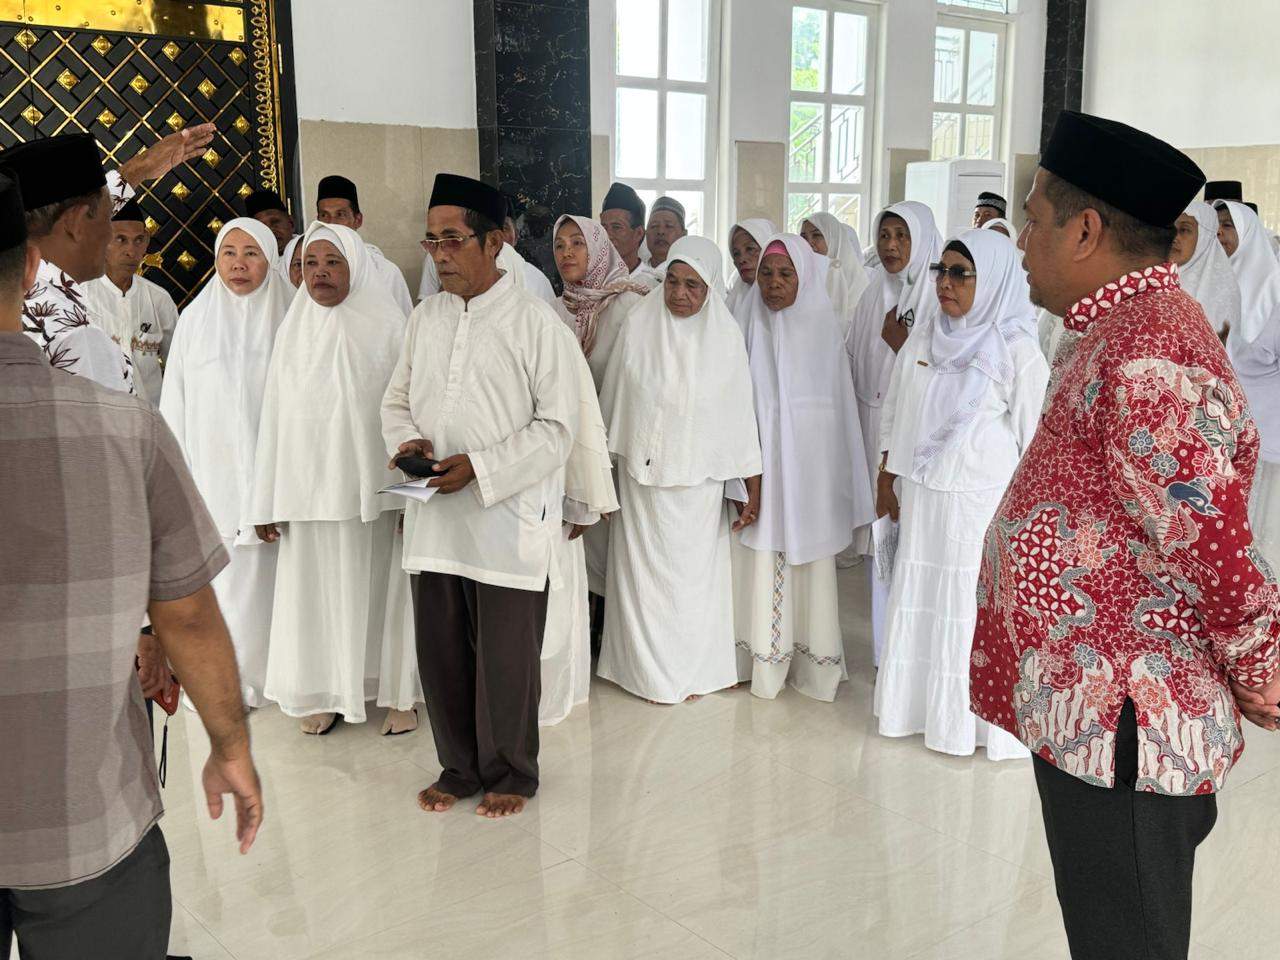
(449, 244)
(957, 274)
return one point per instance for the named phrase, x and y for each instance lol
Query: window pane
(948, 58)
(806, 142)
(996, 6)
(847, 208)
(849, 55)
(694, 202)
(686, 39)
(846, 144)
(808, 49)
(799, 206)
(979, 134)
(946, 136)
(981, 91)
(686, 136)
(637, 134)
(647, 197)
(637, 38)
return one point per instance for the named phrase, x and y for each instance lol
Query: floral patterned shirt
(56, 316)
(1120, 563)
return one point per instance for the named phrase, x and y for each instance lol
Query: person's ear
(1087, 233)
(359, 220)
(493, 241)
(30, 267)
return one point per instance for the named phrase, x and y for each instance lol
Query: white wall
(393, 61)
(1204, 75)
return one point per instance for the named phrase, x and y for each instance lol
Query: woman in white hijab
(1001, 225)
(290, 263)
(319, 466)
(1254, 348)
(954, 430)
(1204, 269)
(847, 278)
(898, 300)
(746, 243)
(212, 399)
(677, 401)
(814, 489)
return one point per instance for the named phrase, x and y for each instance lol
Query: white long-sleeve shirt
(985, 454)
(494, 378)
(141, 320)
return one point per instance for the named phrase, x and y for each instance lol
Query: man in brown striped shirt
(100, 524)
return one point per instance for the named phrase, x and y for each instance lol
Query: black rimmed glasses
(957, 274)
(449, 243)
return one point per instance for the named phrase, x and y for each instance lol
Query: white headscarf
(847, 278)
(760, 230)
(677, 394)
(320, 449)
(282, 265)
(815, 489)
(218, 362)
(1208, 276)
(995, 222)
(1257, 272)
(970, 354)
(910, 290)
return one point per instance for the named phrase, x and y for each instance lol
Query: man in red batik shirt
(1124, 612)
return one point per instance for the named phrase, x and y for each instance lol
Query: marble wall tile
(762, 181)
(1257, 167)
(1063, 61)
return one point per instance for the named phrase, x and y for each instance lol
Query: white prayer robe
(494, 378)
(141, 320)
(650, 275)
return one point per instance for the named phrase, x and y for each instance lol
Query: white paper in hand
(413, 489)
(884, 534)
(736, 490)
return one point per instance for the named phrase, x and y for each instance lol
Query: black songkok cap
(451, 190)
(988, 199)
(13, 220)
(1120, 165)
(1224, 190)
(55, 168)
(261, 200)
(130, 212)
(1251, 206)
(622, 197)
(334, 187)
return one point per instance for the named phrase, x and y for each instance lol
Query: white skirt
(787, 623)
(668, 622)
(245, 590)
(399, 687)
(1264, 510)
(923, 683)
(566, 641)
(329, 615)
(869, 420)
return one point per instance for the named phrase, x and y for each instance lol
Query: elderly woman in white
(963, 405)
(677, 403)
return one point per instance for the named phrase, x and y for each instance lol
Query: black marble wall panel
(533, 100)
(1063, 62)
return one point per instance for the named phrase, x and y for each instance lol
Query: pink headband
(776, 247)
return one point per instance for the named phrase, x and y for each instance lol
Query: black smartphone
(416, 466)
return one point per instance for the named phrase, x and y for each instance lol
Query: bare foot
(693, 698)
(435, 800)
(495, 805)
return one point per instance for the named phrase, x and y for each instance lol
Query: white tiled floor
(731, 827)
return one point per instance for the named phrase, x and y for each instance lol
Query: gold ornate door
(131, 71)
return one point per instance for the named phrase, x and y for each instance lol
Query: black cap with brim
(260, 200)
(623, 197)
(54, 169)
(1224, 190)
(334, 187)
(451, 190)
(130, 212)
(13, 220)
(1122, 166)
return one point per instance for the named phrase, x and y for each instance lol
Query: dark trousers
(1123, 860)
(122, 915)
(479, 657)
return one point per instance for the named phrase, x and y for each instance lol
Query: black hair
(890, 214)
(955, 246)
(41, 220)
(1132, 236)
(13, 262)
(480, 225)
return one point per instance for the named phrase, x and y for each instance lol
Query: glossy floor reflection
(731, 827)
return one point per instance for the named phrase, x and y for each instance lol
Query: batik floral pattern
(1120, 564)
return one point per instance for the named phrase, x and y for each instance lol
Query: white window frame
(959, 18)
(661, 184)
(826, 187)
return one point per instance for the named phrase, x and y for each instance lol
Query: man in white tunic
(622, 216)
(489, 385)
(69, 201)
(338, 202)
(138, 314)
(529, 276)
